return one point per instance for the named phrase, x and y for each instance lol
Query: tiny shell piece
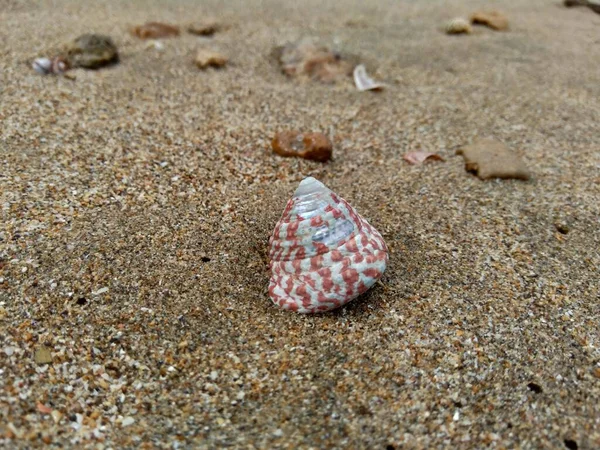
(323, 253)
(363, 81)
(459, 25)
(155, 30)
(421, 157)
(42, 65)
(492, 19)
(56, 66)
(315, 146)
(305, 59)
(208, 58)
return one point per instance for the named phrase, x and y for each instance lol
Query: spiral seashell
(323, 253)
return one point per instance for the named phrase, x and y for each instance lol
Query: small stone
(459, 25)
(492, 19)
(278, 432)
(304, 59)
(562, 227)
(155, 30)
(206, 28)
(127, 421)
(9, 351)
(488, 158)
(92, 51)
(56, 416)
(596, 372)
(593, 5)
(314, 146)
(42, 355)
(208, 58)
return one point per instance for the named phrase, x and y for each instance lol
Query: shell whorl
(323, 253)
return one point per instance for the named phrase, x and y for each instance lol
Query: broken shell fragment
(208, 58)
(421, 157)
(42, 65)
(363, 81)
(459, 26)
(155, 30)
(323, 253)
(315, 146)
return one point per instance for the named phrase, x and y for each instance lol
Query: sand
(137, 202)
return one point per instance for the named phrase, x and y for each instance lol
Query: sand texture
(137, 202)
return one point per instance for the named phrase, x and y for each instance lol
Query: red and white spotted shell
(323, 253)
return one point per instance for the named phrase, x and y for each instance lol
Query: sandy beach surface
(137, 202)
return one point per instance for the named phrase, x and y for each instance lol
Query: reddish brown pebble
(315, 146)
(155, 30)
(207, 28)
(596, 372)
(493, 19)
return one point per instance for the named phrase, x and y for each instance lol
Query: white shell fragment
(42, 65)
(458, 25)
(363, 81)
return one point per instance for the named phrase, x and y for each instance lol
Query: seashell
(459, 25)
(323, 253)
(42, 65)
(363, 81)
(57, 65)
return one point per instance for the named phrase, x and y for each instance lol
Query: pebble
(492, 19)
(42, 355)
(596, 372)
(459, 25)
(304, 59)
(92, 51)
(593, 5)
(127, 421)
(314, 146)
(208, 58)
(9, 351)
(489, 158)
(207, 28)
(155, 30)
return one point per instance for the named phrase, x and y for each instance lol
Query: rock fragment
(594, 5)
(492, 19)
(305, 59)
(92, 51)
(421, 157)
(155, 30)
(314, 146)
(208, 58)
(489, 158)
(206, 28)
(42, 355)
(458, 25)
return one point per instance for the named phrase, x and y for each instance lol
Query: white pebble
(128, 421)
